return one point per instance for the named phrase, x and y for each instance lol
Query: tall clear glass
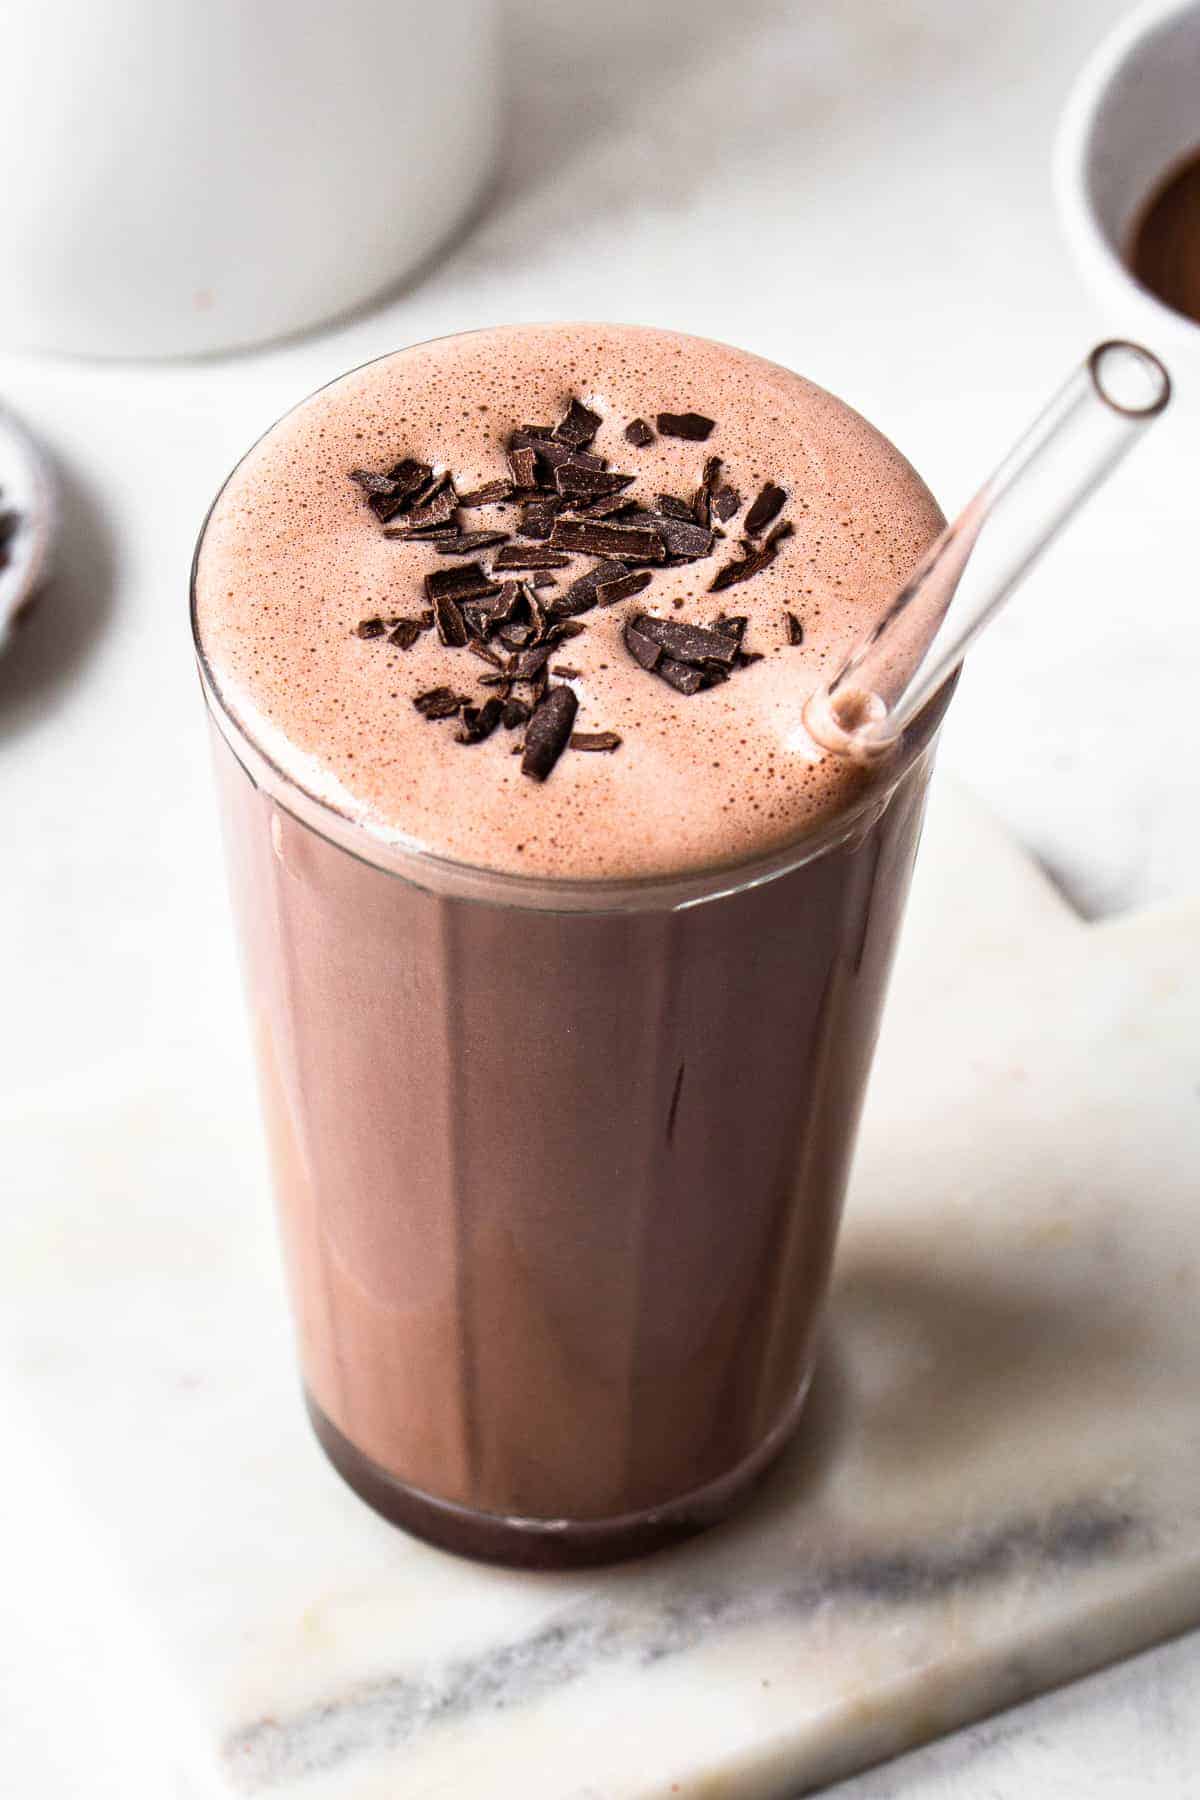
(559, 1165)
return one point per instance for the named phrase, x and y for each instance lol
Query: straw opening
(1129, 378)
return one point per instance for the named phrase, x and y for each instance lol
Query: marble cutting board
(998, 1485)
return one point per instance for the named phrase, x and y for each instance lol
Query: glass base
(548, 1543)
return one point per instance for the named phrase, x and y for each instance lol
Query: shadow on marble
(61, 629)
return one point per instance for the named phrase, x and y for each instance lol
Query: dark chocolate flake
(515, 713)
(732, 627)
(638, 432)
(578, 426)
(523, 463)
(691, 425)
(479, 722)
(594, 740)
(575, 480)
(630, 542)
(465, 583)
(438, 513)
(674, 507)
(405, 633)
(406, 478)
(439, 703)
(608, 506)
(530, 556)
(370, 628)
(548, 733)
(726, 501)
(682, 536)
(373, 484)
(465, 543)
(682, 676)
(537, 517)
(621, 587)
(642, 649)
(423, 534)
(582, 594)
(529, 663)
(697, 644)
(795, 630)
(764, 509)
(751, 560)
(490, 494)
(451, 626)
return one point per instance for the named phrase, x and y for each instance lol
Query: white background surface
(860, 190)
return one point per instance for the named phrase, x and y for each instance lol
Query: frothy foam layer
(292, 561)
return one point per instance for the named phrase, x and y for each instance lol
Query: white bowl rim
(1071, 158)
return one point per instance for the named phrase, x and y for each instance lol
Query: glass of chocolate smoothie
(565, 945)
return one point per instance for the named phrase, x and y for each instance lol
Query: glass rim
(409, 860)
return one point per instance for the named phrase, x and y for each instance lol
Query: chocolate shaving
(795, 630)
(674, 507)
(451, 626)
(548, 733)
(466, 583)
(751, 560)
(582, 594)
(406, 479)
(575, 480)
(578, 426)
(521, 556)
(696, 644)
(683, 676)
(594, 740)
(609, 592)
(479, 722)
(370, 628)
(638, 432)
(565, 672)
(732, 627)
(486, 655)
(373, 484)
(537, 517)
(609, 506)
(530, 663)
(726, 501)
(490, 494)
(764, 509)
(515, 713)
(405, 633)
(691, 425)
(515, 637)
(642, 649)
(465, 542)
(523, 463)
(682, 536)
(439, 511)
(630, 542)
(548, 454)
(702, 500)
(439, 703)
(423, 534)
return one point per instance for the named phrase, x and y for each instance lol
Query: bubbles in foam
(292, 560)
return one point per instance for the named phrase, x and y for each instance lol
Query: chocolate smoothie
(565, 946)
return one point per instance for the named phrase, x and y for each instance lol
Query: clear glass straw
(982, 556)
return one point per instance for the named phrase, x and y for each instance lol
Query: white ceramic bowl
(1132, 116)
